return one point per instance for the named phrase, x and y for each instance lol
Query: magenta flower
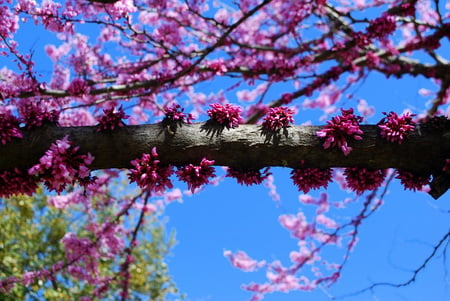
(339, 129)
(307, 178)
(196, 176)
(111, 119)
(381, 27)
(149, 175)
(278, 118)
(35, 115)
(247, 176)
(9, 127)
(175, 114)
(360, 179)
(62, 165)
(446, 165)
(394, 128)
(16, 182)
(227, 115)
(412, 181)
(78, 87)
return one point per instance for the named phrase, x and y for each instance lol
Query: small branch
(413, 278)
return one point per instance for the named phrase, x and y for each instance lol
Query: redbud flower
(248, 176)
(360, 179)
(307, 178)
(35, 115)
(412, 181)
(62, 165)
(111, 119)
(340, 128)
(9, 127)
(227, 115)
(78, 87)
(16, 182)
(381, 27)
(196, 176)
(149, 175)
(278, 118)
(394, 128)
(175, 114)
(446, 166)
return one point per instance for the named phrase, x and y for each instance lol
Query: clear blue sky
(393, 242)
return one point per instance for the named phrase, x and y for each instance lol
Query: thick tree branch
(423, 152)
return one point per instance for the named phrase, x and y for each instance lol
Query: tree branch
(424, 151)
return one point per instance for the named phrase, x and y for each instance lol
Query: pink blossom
(16, 182)
(77, 117)
(37, 114)
(175, 114)
(248, 177)
(326, 221)
(9, 127)
(173, 195)
(298, 225)
(360, 179)
(63, 201)
(111, 119)
(278, 118)
(270, 183)
(227, 115)
(242, 261)
(394, 128)
(78, 87)
(340, 128)
(196, 176)
(62, 165)
(149, 175)
(83, 254)
(307, 178)
(412, 181)
(381, 27)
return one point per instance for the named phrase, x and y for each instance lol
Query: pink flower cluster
(111, 119)
(35, 115)
(227, 115)
(381, 27)
(412, 181)
(395, 128)
(61, 165)
(247, 176)
(242, 261)
(307, 178)
(340, 128)
(149, 175)
(360, 179)
(83, 256)
(9, 127)
(78, 87)
(278, 118)
(446, 166)
(196, 176)
(175, 113)
(16, 182)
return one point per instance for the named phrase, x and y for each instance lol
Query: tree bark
(424, 150)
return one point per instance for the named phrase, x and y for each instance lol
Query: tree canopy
(127, 98)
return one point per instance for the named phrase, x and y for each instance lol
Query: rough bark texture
(424, 151)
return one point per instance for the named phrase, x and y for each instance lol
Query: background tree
(129, 77)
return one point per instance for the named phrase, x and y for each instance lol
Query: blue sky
(393, 242)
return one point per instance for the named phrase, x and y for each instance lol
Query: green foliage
(30, 240)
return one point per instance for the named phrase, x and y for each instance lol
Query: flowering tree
(126, 86)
